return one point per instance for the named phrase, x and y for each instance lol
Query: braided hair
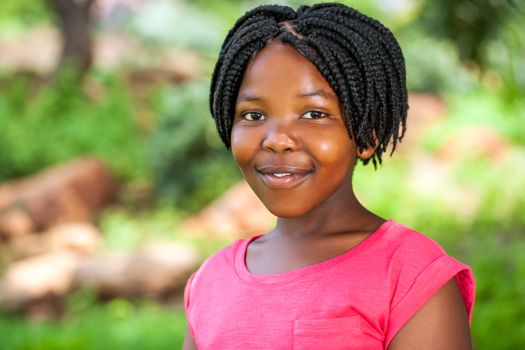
(357, 55)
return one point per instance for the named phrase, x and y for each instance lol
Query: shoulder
(212, 270)
(221, 263)
(418, 267)
(415, 260)
(403, 240)
(221, 259)
(408, 251)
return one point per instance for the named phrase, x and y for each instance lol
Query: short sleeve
(425, 285)
(187, 292)
(187, 297)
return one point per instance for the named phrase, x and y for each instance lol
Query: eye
(314, 115)
(253, 116)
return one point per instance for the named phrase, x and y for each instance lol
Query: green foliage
(469, 24)
(118, 324)
(190, 164)
(504, 55)
(22, 13)
(480, 107)
(59, 122)
(432, 65)
(486, 35)
(125, 230)
(496, 255)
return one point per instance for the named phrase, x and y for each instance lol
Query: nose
(279, 138)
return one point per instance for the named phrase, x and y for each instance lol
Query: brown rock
(22, 247)
(104, 273)
(36, 50)
(161, 267)
(68, 192)
(182, 65)
(474, 142)
(155, 271)
(37, 278)
(81, 238)
(16, 222)
(237, 213)
(77, 237)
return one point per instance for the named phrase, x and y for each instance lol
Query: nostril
(279, 143)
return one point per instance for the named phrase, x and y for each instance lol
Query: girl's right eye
(253, 116)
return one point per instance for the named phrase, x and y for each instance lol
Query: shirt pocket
(328, 334)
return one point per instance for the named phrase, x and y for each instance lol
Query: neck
(342, 214)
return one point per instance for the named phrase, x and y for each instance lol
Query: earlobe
(368, 152)
(365, 153)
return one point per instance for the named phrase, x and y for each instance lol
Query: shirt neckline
(246, 276)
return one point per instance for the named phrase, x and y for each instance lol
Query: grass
(118, 324)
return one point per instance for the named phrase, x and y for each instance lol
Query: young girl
(300, 97)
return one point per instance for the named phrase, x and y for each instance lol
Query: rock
(160, 268)
(25, 246)
(106, 274)
(182, 65)
(155, 271)
(37, 278)
(15, 222)
(237, 213)
(68, 192)
(76, 237)
(474, 142)
(39, 282)
(36, 50)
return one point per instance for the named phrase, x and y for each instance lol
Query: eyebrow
(320, 93)
(314, 93)
(249, 98)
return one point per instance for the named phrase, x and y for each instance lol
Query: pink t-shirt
(357, 300)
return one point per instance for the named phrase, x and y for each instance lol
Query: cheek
(242, 145)
(338, 150)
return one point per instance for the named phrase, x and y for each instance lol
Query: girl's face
(289, 136)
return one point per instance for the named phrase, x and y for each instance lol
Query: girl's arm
(189, 342)
(440, 324)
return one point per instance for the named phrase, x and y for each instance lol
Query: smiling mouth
(283, 178)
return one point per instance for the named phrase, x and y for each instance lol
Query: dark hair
(358, 56)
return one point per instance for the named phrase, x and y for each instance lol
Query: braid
(226, 80)
(357, 55)
(392, 49)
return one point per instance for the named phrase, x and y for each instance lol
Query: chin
(287, 211)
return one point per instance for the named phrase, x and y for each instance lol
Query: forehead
(279, 68)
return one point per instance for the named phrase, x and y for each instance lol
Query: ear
(366, 153)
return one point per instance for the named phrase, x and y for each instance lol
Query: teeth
(281, 174)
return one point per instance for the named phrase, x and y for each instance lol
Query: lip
(292, 176)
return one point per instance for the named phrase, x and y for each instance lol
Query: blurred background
(114, 185)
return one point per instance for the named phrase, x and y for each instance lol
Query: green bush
(190, 164)
(21, 13)
(60, 122)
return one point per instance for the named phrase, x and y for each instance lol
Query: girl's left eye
(314, 115)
